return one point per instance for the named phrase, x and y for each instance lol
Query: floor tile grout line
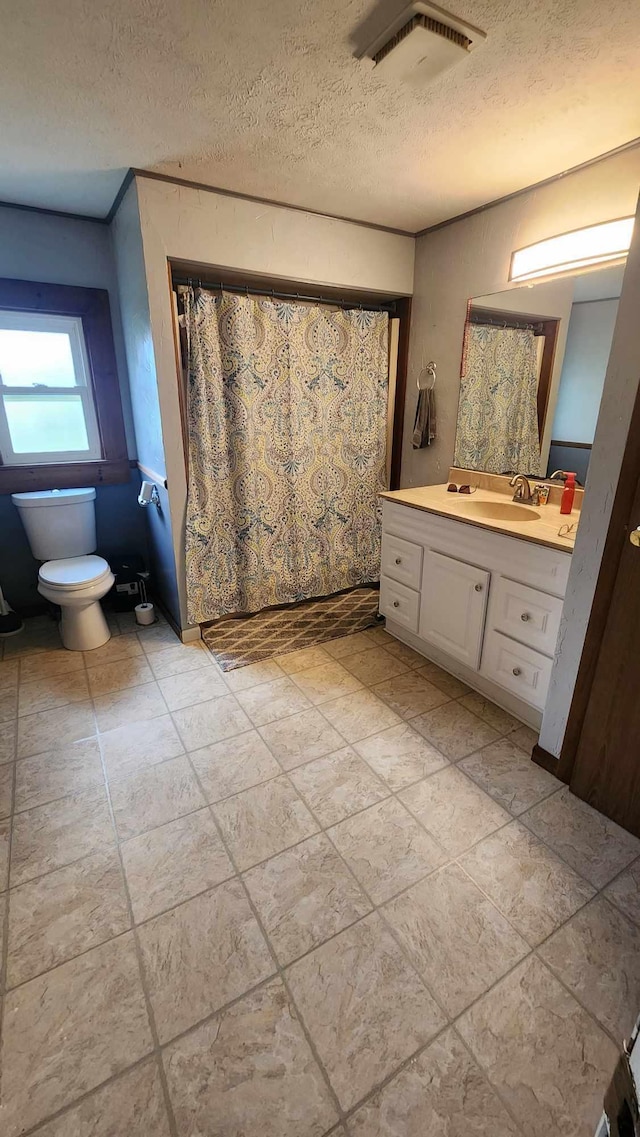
(272, 952)
(40, 1126)
(598, 892)
(377, 909)
(264, 782)
(140, 961)
(616, 1040)
(322, 831)
(506, 1105)
(391, 792)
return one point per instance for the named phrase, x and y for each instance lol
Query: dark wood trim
(404, 314)
(573, 445)
(63, 476)
(115, 204)
(92, 306)
(62, 213)
(631, 145)
(550, 333)
(543, 758)
(202, 187)
(605, 584)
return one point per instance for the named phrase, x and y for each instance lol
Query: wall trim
(115, 204)
(152, 176)
(53, 212)
(135, 172)
(548, 762)
(631, 145)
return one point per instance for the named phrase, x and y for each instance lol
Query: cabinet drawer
(526, 614)
(517, 668)
(402, 560)
(399, 603)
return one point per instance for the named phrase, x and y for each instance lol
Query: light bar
(581, 248)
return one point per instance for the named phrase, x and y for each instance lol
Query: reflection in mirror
(533, 367)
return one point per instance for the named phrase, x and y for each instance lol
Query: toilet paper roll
(145, 614)
(146, 493)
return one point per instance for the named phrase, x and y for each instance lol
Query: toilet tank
(58, 523)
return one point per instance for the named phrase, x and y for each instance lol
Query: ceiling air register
(421, 43)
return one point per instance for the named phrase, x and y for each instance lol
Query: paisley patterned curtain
(287, 421)
(497, 414)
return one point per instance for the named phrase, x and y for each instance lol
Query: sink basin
(498, 510)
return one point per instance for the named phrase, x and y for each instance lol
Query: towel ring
(427, 377)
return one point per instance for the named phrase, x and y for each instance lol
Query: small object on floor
(10, 623)
(240, 641)
(145, 613)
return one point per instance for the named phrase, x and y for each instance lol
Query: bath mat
(236, 643)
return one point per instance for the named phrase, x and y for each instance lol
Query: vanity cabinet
(453, 607)
(483, 605)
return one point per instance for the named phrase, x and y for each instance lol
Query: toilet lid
(73, 572)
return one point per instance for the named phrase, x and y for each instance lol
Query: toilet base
(84, 628)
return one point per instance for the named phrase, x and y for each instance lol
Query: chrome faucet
(523, 493)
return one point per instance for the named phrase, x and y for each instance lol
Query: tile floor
(328, 893)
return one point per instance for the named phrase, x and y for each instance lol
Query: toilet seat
(72, 574)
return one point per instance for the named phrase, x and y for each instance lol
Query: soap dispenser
(568, 493)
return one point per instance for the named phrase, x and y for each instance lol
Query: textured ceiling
(266, 97)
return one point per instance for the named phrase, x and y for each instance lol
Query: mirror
(533, 365)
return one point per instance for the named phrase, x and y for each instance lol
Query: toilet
(61, 530)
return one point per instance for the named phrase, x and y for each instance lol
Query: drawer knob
(517, 671)
(525, 616)
(478, 587)
(396, 604)
(398, 560)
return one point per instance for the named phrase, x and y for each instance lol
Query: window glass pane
(28, 357)
(46, 424)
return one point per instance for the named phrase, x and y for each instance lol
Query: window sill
(64, 476)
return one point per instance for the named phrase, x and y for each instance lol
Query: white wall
(618, 397)
(196, 225)
(471, 258)
(583, 370)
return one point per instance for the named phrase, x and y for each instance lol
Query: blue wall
(59, 250)
(120, 529)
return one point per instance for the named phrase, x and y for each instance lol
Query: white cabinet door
(453, 605)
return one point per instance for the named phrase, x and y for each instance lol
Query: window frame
(90, 308)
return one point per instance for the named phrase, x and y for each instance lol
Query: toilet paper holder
(149, 494)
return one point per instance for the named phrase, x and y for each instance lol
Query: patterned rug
(238, 642)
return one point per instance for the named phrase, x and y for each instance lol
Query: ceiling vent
(421, 43)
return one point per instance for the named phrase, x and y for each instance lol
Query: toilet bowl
(61, 530)
(77, 585)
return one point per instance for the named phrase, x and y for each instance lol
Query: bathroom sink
(498, 510)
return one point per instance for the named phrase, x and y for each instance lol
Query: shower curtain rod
(272, 294)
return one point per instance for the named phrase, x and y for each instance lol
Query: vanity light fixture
(578, 249)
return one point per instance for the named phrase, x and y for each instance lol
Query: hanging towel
(424, 427)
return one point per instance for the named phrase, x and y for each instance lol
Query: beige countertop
(541, 531)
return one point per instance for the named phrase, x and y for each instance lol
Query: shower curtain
(287, 408)
(497, 414)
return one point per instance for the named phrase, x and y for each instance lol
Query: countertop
(436, 499)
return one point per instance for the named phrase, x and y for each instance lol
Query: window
(60, 414)
(47, 411)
